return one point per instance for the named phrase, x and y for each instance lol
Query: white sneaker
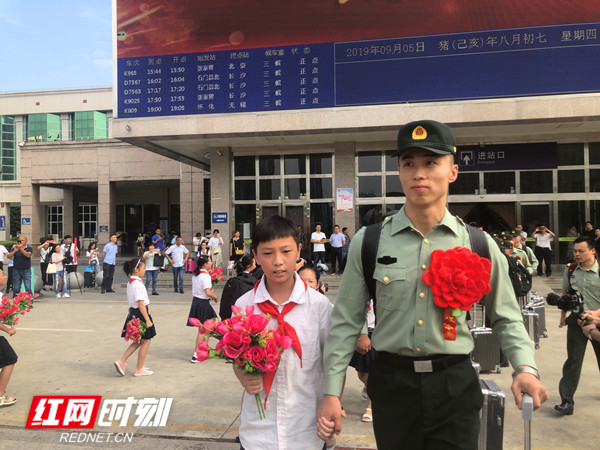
(66, 296)
(58, 295)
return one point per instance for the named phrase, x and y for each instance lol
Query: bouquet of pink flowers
(135, 328)
(216, 275)
(245, 342)
(12, 309)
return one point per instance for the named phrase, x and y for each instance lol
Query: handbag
(51, 268)
(158, 260)
(239, 251)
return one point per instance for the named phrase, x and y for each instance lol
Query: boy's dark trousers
(426, 410)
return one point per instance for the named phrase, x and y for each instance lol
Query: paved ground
(66, 347)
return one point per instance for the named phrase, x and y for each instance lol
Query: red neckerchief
(284, 329)
(132, 279)
(203, 271)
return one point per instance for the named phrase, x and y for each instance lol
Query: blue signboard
(541, 60)
(103, 228)
(2, 223)
(25, 220)
(220, 217)
(507, 156)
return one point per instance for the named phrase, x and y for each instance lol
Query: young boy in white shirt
(297, 389)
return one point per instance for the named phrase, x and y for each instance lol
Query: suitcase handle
(527, 407)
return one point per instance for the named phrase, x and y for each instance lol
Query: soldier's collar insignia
(419, 133)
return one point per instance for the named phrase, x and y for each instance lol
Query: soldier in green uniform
(586, 280)
(424, 390)
(522, 250)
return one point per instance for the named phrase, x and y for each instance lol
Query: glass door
(295, 214)
(534, 213)
(269, 211)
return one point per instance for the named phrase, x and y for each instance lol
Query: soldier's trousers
(576, 345)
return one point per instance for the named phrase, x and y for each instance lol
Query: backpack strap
(480, 246)
(370, 245)
(368, 256)
(570, 271)
(479, 242)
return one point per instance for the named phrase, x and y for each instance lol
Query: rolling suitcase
(539, 307)
(491, 416)
(190, 265)
(89, 279)
(532, 322)
(486, 350)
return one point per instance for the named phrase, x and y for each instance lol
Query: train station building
(203, 133)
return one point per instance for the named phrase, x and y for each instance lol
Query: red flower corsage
(458, 278)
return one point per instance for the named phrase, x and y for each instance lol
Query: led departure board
(170, 65)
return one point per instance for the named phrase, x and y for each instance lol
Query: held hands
(364, 344)
(253, 384)
(329, 417)
(11, 331)
(528, 384)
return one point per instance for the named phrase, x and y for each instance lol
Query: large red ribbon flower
(458, 278)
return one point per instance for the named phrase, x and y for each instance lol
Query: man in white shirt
(318, 239)
(337, 240)
(69, 250)
(3, 252)
(180, 255)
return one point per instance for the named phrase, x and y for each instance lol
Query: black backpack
(520, 278)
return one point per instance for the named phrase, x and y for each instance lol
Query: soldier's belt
(431, 363)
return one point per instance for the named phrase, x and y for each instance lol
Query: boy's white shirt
(296, 393)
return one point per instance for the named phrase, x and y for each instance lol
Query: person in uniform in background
(585, 278)
(424, 390)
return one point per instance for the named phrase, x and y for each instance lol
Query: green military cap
(513, 234)
(505, 244)
(427, 134)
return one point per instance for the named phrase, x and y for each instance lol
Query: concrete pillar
(220, 191)
(107, 219)
(109, 121)
(191, 202)
(31, 210)
(106, 211)
(64, 127)
(70, 211)
(345, 174)
(5, 212)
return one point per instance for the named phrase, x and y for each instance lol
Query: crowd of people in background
(327, 254)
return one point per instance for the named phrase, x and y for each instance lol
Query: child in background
(60, 282)
(362, 360)
(137, 297)
(202, 292)
(8, 358)
(92, 256)
(297, 385)
(311, 277)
